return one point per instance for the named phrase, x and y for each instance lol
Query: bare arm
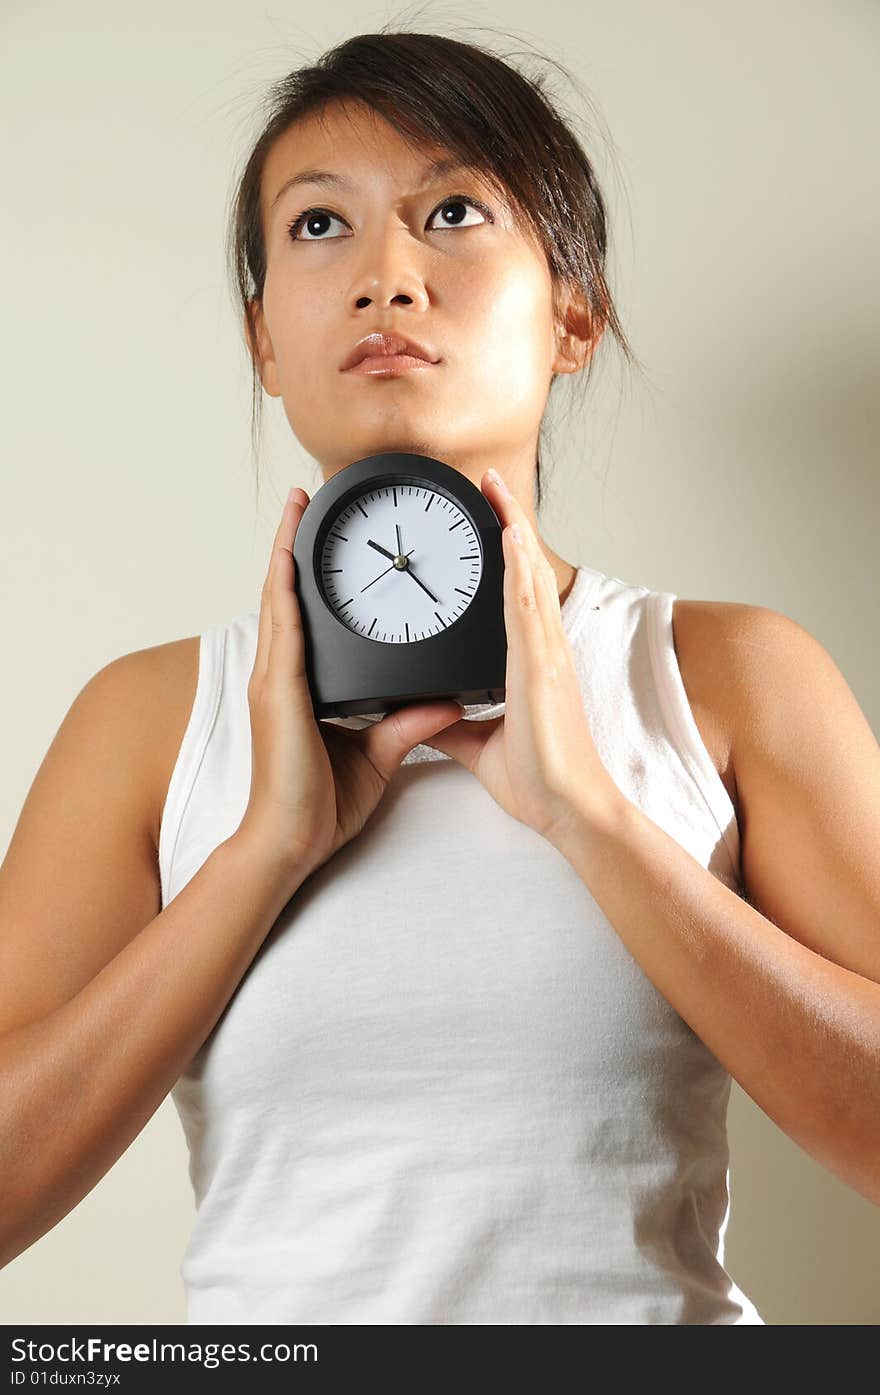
(104, 996)
(784, 987)
(78, 1085)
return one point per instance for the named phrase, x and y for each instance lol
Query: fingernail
(496, 479)
(515, 530)
(291, 496)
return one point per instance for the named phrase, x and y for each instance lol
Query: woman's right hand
(313, 786)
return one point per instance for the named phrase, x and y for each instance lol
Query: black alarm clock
(399, 573)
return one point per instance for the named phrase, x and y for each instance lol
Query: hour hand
(384, 551)
(385, 573)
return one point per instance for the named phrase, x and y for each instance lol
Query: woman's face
(388, 254)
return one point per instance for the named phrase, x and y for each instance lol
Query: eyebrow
(445, 165)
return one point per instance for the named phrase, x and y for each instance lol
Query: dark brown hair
(442, 91)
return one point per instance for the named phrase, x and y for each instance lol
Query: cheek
(298, 322)
(507, 300)
(511, 327)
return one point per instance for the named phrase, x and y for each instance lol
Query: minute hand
(434, 598)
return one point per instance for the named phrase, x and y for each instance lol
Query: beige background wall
(745, 217)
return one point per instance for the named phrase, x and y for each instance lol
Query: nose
(402, 289)
(391, 278)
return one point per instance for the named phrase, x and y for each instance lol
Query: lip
(388, 365)
(387, 345)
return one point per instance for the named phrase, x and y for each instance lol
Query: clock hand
(434, 598)
(384, 551)
(386, 571)
(415, 578)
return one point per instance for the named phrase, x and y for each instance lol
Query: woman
(449, 1004)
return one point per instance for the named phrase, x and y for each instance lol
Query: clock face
(400, 562)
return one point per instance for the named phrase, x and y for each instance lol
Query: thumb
(388, 741)
(465, 741)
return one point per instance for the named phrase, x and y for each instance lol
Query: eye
(460, 201)
(317, 213)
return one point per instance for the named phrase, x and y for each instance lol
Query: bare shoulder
(159, 683)
(80, 877)
(713, 639)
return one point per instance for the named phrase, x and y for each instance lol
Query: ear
(578, 332)
(260, 346)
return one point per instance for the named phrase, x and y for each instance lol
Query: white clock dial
(400, 562)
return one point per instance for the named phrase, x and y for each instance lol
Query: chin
(408, 447)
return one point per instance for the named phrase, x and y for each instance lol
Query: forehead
(358, 143)
(355, 141)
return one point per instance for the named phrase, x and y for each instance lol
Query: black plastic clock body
(399, 573)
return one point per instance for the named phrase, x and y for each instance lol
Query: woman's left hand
(538, 760)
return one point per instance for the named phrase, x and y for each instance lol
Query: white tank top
(444, 1090)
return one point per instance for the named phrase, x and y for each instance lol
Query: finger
(543, 576)
(287, 651)
(544, 580)
(547, 592)
(527, 647)
(264, 628)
